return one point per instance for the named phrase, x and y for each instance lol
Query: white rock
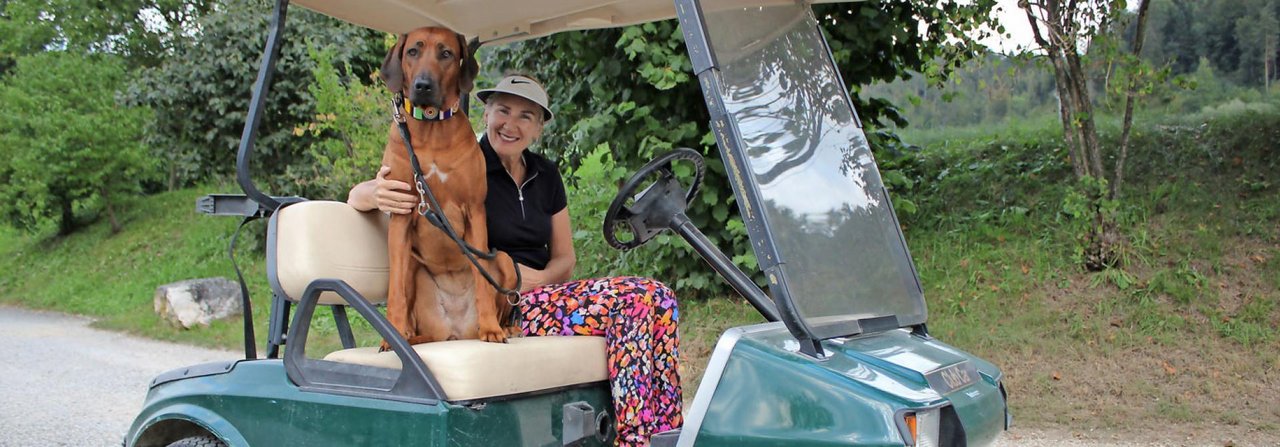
(197, 301)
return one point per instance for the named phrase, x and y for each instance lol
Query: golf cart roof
(508, 20)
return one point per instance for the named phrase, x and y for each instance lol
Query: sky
(1015, 24)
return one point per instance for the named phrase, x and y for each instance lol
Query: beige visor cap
(523, 87)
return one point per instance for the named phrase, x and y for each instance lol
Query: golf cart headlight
(922, 427)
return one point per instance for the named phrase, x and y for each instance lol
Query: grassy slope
(114, 277)
(1184, 333)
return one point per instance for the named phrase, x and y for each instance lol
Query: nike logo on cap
(519, 81)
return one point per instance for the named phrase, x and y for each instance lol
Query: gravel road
(64, 383)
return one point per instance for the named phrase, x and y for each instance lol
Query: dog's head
(431, 66)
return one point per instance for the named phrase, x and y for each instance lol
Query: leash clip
(396, 102)
(423, 207)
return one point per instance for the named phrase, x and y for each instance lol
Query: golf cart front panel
(759, 389)
(818, 214)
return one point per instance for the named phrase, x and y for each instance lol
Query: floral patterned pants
(637, 317)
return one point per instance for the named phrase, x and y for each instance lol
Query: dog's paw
(491, 336)
(384, 347)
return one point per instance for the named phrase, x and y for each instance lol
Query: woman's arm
(560, 268)
(389, 196)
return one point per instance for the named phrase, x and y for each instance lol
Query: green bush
(201, 93)
(68, 150)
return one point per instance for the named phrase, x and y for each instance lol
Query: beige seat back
(312, 240)
(325, 239)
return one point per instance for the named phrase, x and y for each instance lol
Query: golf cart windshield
(819, 216)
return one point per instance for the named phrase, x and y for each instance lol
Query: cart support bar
(722, 264)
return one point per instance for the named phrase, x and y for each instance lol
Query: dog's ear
(470, 67)
(392, 73)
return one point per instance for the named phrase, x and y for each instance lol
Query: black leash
(428, 208)
(250, 345)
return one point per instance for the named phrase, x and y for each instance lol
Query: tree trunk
(1079, 132)
(1138, 38)
(173, 176)
(1065, 113)
(1077, 114)
(1266, 74)
(111, 211)
(68, 223)
(1079, 89)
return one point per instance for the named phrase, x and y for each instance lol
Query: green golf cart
(844, 359)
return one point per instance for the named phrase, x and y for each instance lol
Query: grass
(1182, 333)
(114, 277)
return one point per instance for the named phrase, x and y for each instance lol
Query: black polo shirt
(520, 216)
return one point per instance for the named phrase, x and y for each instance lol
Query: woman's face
(512, 123)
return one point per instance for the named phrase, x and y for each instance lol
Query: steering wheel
(653, 208)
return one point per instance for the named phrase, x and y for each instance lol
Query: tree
(631, 92)
(1170, 38)
(1257, 35)
(201, 93)
(141, 31)
(1215, 25)
(67, 149)
(1063, 29)
(350, 127)
(1137, 68)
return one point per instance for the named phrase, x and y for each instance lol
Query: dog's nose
(423, 85)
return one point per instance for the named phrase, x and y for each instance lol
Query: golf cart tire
(198, 441)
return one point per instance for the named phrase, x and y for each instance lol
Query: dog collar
(429, 113)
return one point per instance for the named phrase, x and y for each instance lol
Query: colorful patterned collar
(430, 113)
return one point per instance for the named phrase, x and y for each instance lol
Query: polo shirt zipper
(520, 190)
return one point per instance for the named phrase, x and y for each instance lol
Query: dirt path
(64, 383)
(1211, 436)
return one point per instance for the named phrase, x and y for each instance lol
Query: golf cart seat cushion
(325, 239)
(473, 369)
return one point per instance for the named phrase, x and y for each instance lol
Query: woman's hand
(531, 278)
(393, 196)
(388, 196)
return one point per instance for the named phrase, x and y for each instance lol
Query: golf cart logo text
(956, 377)
(952, 378)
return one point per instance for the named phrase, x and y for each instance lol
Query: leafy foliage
(349, 127)
(630, 93)
(141, 31)
(201, 92)
(67, 148)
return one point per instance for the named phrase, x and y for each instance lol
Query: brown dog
(435, 292)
